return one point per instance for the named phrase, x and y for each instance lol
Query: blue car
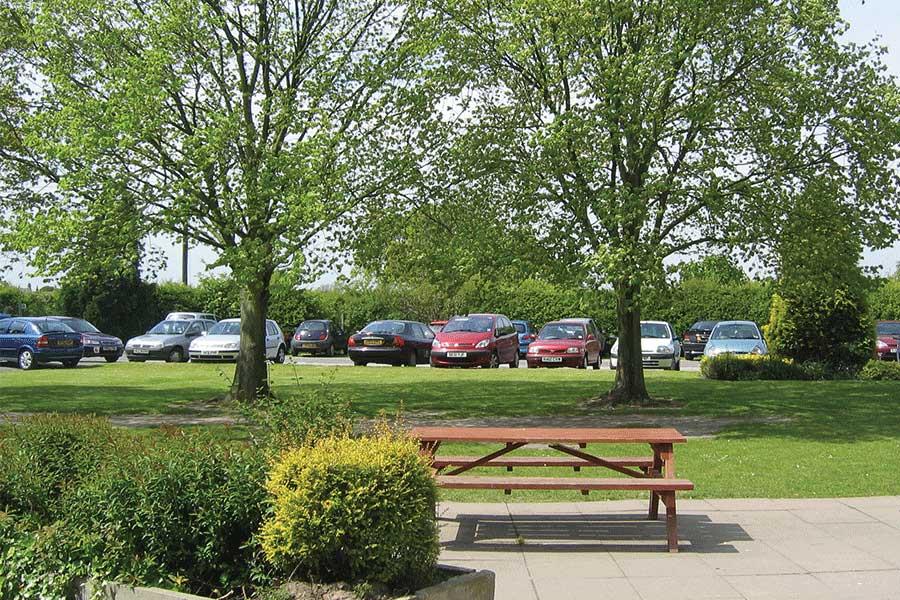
(735, 337)
(527, 334)
(30, 341)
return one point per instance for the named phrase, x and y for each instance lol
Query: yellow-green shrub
(738, 367)
(353, 510)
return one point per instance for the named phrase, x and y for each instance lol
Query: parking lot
(321, 361)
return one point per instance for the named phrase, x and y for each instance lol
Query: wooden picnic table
(654, 473)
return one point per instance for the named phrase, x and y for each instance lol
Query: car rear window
(51, 326)
(80, 325)
(312, 326)
(520, 327)
(385, 327)
(704, 325)
(170, 327)
(226, 328)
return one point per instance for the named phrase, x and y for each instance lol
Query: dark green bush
(358, 510)
(743, 367)
(880, 370)
(121, 305)
(45, 456)
(833, 328)
(176, 511)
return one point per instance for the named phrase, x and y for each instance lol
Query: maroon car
(567, 343)
(481, 340)
(888, 333)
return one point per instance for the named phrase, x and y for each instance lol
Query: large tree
(629, 131)
(250, 126)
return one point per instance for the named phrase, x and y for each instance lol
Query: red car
(483, 340)
(888, 333)
(567, 343)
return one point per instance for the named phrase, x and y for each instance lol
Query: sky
(868, 19)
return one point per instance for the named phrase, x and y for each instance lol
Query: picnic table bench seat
(442, 462)
(487, 482)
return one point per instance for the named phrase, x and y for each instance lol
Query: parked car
(693, 341)
(527, 333)
(4, 315)
(190, 316)
(436, 326)
(94, 342)
(319, 336)
(887, 345)
(567, 343)
(735, 337)
(168, 340)
(391, 342)
(223, 342)
(660, 348)
(30, 341)
(476, 340)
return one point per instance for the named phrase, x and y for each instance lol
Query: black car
(693, 341)
(95, 343)
(318, 336)
(392, 342)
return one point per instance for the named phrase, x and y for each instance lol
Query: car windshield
(703, 325)
(471, 324)
(80, 325)
(888, 328)
(170, 328)
(520, 327)
(654, 330)
(735, 331)
(385, 327)
(226, 328)
(560, 331)
(52, 326)
(312, 326)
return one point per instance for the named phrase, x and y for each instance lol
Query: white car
(735, 337)
(190, 316)
(660, 347)
(223, 342)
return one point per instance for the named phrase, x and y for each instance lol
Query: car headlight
(757, 350)
(231, 346)
(664, 349)
(483, 343)
(435, 343)
(532, 349)
(156, 345)
(573, 350)
(713, 351)
(881, 346)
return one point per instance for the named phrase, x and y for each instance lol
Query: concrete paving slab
(741, 548)
(780, 587)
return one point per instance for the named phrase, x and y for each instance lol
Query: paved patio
(820, 549)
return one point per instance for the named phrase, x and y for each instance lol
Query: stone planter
(465, 584)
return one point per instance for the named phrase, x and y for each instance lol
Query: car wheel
(584, 362)
(70, 364)
(411, 360)
(688, 356)
(515, 362)
(597, 363)
(279, 358)
(111, 359)
(495, 361)
(294, 352)
(676, 363)
(176, 355)
(359, 363)
(26, 360)
(612, 367)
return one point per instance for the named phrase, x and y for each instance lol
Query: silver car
(169, 340)
(223, 342)
(735, 337)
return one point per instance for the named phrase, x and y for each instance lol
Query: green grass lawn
(798, 439)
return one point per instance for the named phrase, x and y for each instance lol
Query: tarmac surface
(822, 549)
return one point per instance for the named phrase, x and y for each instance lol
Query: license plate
(456, 355)
(551, 359)
(373, 342)
(137, 351)
(109, 348)
(65, 343)
(208, 352)
(307, 345)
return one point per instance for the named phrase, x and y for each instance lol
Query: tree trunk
(630, 387)
(251, 379)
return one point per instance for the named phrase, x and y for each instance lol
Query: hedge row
(129, 308)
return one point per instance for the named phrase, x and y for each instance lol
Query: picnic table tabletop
(538, 435)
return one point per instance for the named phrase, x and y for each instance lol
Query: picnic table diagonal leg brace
(510, 446)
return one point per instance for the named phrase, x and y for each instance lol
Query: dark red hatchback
(477, 340)
(567, 343)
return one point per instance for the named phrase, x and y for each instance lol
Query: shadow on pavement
(581, 533)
